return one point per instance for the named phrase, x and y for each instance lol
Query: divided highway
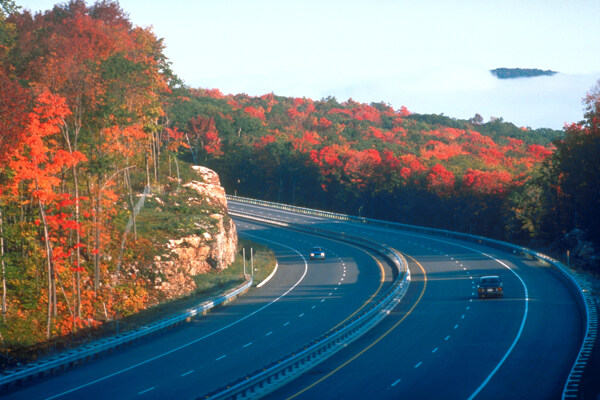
(441, 341)
(303, 300)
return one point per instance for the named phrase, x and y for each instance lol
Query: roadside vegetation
(91, 114)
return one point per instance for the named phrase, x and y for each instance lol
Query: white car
(317, 253)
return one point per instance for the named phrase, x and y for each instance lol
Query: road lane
(454, 345)
(303, 300)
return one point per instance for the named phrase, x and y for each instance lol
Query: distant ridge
(512, 73)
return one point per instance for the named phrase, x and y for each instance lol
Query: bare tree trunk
(72, 146)
(147, 171)
(3, 266)
(77, 244)
(97, 242)
(52, 311)
(128, 179)
(155, 155)
(178, 176)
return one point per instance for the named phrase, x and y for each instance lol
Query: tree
(573, 173)
(37, 164)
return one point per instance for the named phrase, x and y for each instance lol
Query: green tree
(570, 179)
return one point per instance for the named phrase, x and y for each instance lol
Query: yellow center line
(377, 340)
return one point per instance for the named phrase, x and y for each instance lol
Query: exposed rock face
(214, 249)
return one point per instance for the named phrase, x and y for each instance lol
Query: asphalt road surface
(441, 341)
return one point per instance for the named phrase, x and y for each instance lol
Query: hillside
(82, 135)
(91, 114)
(366, 159)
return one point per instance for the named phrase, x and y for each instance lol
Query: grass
(209, 286)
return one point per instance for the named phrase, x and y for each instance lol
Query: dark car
(490, 286)
(317, 253)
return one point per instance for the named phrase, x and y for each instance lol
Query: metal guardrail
(581, 286)
(68, 359)
(279, 372)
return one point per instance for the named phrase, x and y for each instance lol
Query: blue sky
(432, 56)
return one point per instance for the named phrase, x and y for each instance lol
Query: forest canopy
(91, 115)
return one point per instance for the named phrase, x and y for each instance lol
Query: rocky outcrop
(213, 249)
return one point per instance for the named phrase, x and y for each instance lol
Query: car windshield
(316, 249)
(490, 280)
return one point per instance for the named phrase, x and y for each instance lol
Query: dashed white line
(446, 338)
(187, 373)
(287, 323)
(269, 333)
(313, 307)
(247, 345)
(462, 316)
(434, 350)
(146, 391)
(396, 382)
(455, 326)
(301, 315)
(222, 357)
(419, 364)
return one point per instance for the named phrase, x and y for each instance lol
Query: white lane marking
(287, 323)
(146, 391)
(322, 300)
(525, 311)
(514, 343)
(446, 338)
(435, 350)
(396, 382)
(313, 307)
(455, 326)
(419, 364)
(247, 345)
(187, 373)
(220, 358)
(462, 316)
(269, 333)
(301, 315)
(183, 346)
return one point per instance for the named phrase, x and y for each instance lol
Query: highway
(303, 300)
(441, 341)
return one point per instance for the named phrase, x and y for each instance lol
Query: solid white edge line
(268, 278)
(525, 312)
(514, 343)
(195, 340)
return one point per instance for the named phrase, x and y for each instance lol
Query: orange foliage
(487, 182)
(441, 151)
(440, 180)
(256, 112)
